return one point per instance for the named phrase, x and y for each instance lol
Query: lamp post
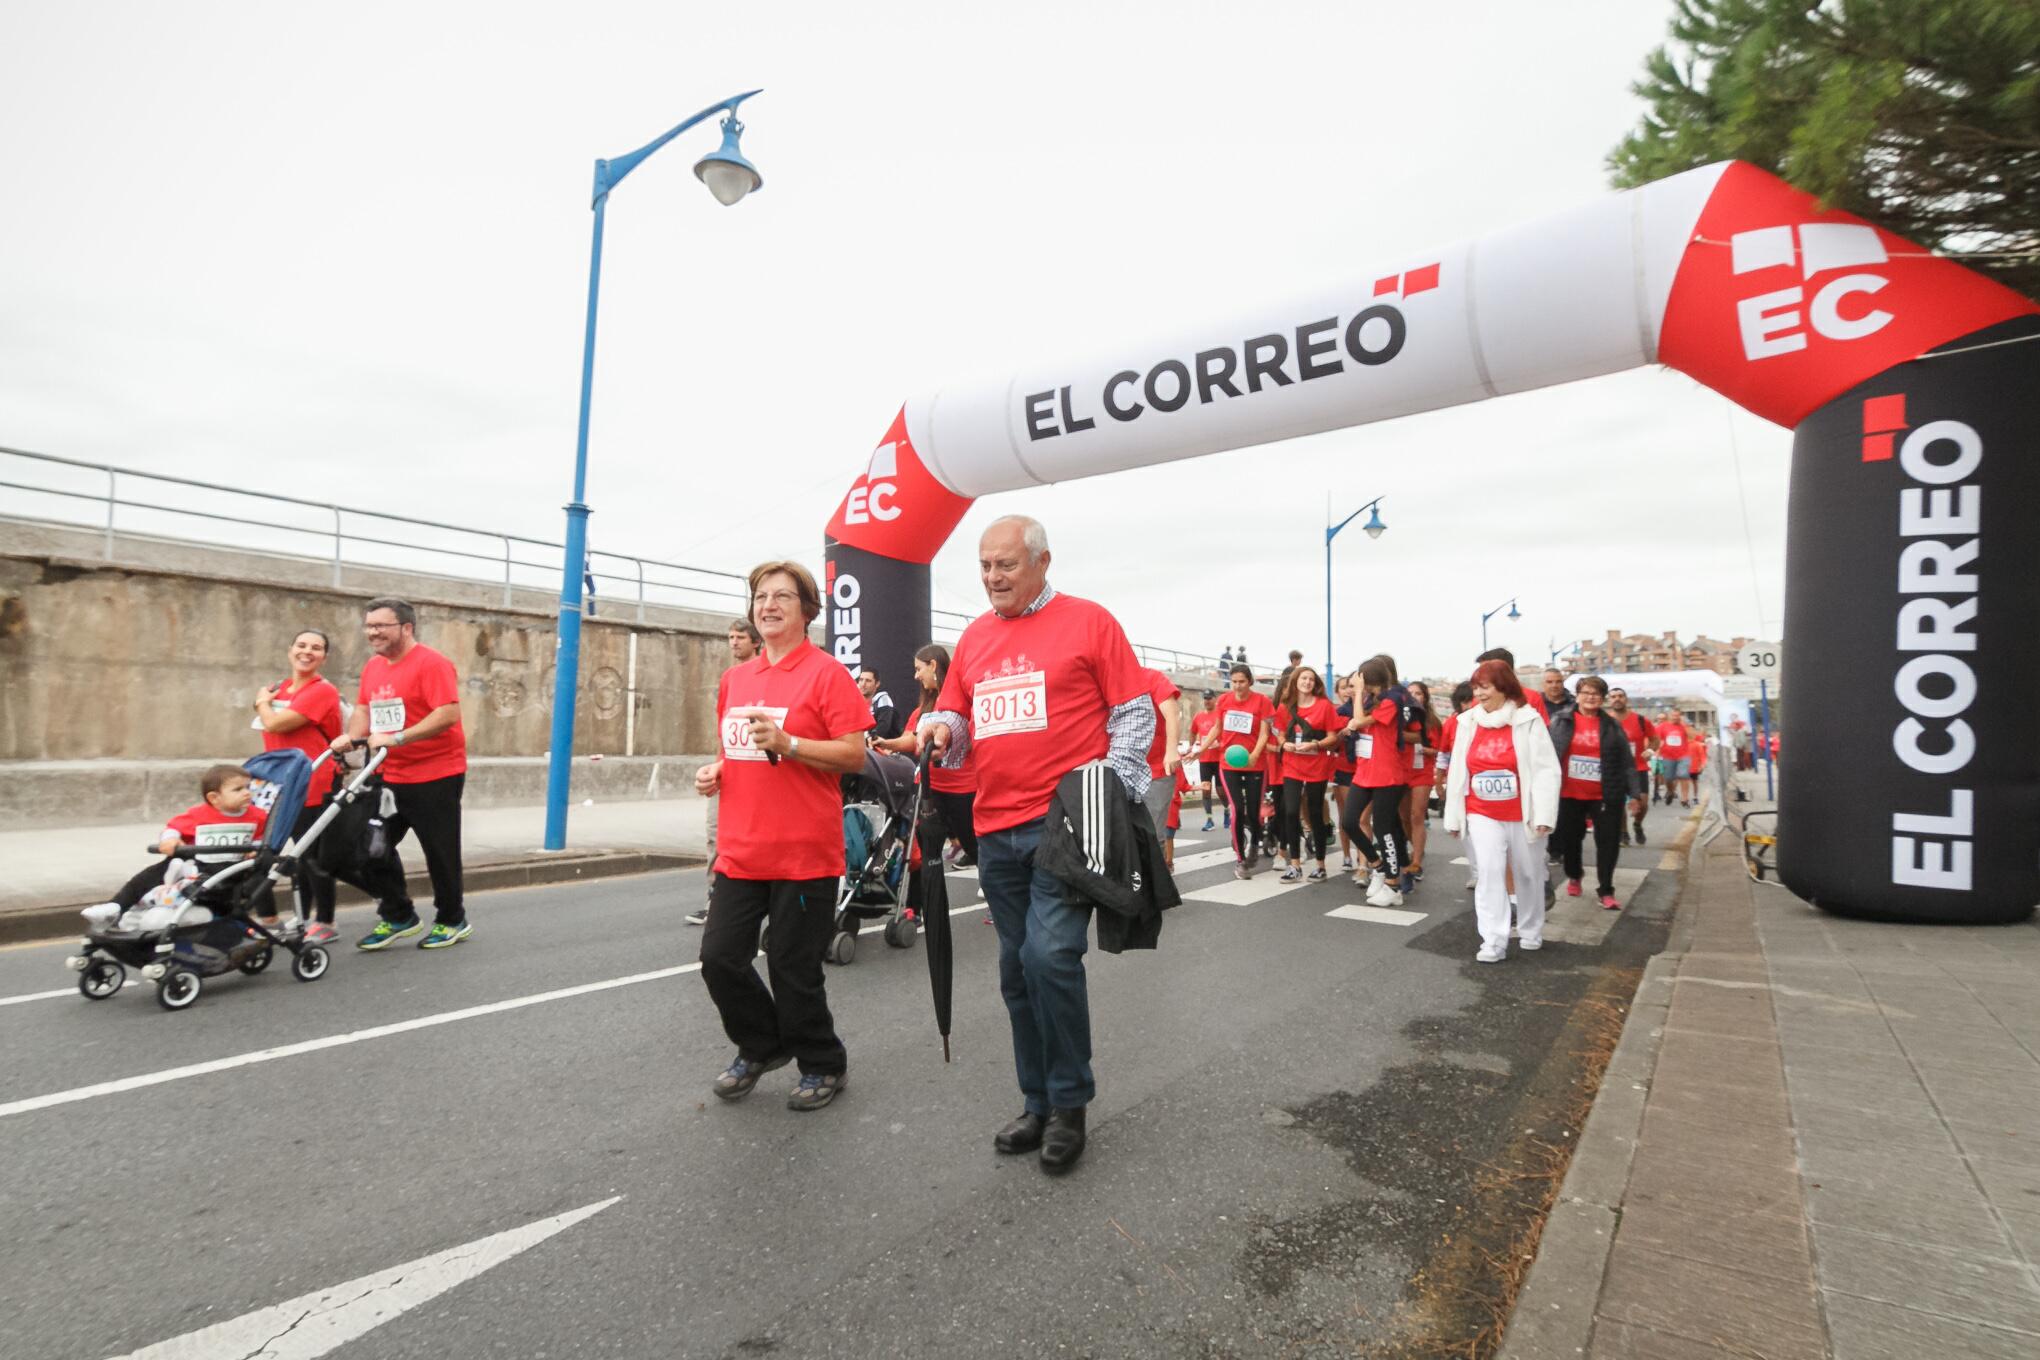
(1490, 614)
(729, 177)
(1373, 529)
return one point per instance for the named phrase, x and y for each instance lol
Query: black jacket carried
(1618, 762)
(1102, 844)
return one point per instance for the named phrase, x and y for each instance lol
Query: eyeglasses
(380, 627)
(776, 597)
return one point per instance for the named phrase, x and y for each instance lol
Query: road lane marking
(262, 1055)
(1386, 916)
(1245, 892)
(321, 1322)
(37, 996)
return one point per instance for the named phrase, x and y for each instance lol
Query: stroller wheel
(845, 922)
(310, 964)
(101, 979)
(178, 989)
(843, 948)
(901, 932)
(255, 963)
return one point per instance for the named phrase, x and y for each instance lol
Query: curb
(1554, 1315)
(46, 923)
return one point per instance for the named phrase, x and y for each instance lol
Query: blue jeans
(1043, 931)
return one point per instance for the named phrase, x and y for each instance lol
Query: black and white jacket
(1102, 844)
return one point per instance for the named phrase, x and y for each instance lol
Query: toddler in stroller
(209, 906)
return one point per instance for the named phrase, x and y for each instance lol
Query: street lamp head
(725, 171)
(1373, 527)
(1512, 610)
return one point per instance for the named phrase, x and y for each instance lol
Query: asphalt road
(1289, 1103)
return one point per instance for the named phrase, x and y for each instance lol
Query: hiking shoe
(445, 937)
(696, 918)
(815, 1090)
(387, 933)
(1608, 901)
(1292, 874)
(1572, 887)
(740, 1076)
(1316, 875)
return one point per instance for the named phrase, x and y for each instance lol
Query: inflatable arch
(1912, 596)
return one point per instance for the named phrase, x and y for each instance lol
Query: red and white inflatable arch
(1912, 599)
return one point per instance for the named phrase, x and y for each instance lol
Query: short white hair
(1032, 535)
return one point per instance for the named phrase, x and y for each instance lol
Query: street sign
(1741, 688)
(1759, 660)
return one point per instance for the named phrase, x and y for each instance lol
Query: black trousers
(1304, 800)
(955, 810)
(1243, 796)
(314, 886)
(431, 812)
(1390, 846)
(1571, 834)
(793, 1017)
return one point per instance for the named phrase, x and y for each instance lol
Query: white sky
(342, 253)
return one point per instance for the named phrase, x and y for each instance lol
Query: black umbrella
(934, 906)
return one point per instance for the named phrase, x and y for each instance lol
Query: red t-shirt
(1200, 724)
(1423, 758)
(1672, 743)
(1583, 761)
(1696, 751)
(1536, 701)
(1163, 691)
(244, 829)
(1381, 759)
(400, 694)
(1634, 729)
(1494, 787)
(1036, 691)
(1447, 735)
(1174, 821)
(1239, 724)
(1310, 767)
(784, 821)
(318, 702)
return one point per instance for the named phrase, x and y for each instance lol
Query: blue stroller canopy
(282, 778)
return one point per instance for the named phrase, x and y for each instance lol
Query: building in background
(1635, 653)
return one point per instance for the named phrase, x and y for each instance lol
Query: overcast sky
(342, 253)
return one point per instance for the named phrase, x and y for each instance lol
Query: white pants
(1492, 847)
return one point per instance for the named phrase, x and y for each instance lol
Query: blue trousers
(1043, 932)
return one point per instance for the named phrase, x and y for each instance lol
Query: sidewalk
(53, 872)
(1817, 1137)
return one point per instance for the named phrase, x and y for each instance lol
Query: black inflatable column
(877, 608)
(1910, 768)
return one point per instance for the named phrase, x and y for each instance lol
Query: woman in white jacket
(1502, 791)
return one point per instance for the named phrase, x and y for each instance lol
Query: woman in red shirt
(1382, 777)
(303, 712)
(1423, 765)
(1596, 766)
(791, 721)
(1309, 733)
(1244, 715)
(954, 792)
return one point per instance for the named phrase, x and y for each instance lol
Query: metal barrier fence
(66, 491)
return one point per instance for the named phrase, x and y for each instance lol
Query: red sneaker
(1572, 887)
(1608, 901)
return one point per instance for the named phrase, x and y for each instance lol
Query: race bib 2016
(386, 716)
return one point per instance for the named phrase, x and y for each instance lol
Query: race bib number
(386, 716)
(1363, 746)
(1586, 769)
(1012, 703)
(262, 794)
(1417, 759)
(1673, 741)
(223, 835)
(736, 731)
(1239, 720)
(1495, 786)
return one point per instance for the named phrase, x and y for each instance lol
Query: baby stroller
(206, 926)
(881, 811)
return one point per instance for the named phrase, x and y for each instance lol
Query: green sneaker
(442, 937)
(387, 933)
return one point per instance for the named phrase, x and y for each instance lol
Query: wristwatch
(792, 746)
(400, 738)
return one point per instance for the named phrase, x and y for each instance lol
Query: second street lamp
(729, 177)
(1373, 528)
(1490, 614)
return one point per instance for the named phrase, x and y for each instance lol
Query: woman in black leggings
(1381, 780)
(1309, 732)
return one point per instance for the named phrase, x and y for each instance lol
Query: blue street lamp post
(1373, 529)
(729, 177)
(1490, 614)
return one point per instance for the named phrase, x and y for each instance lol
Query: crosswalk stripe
(1386, 916)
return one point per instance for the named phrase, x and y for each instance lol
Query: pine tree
(1922, 116)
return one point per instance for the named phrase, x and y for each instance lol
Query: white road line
(1238, 892)
(1385, 916)
(262, 1055)
(321, 1322)
(1203, 859)
(37, 996)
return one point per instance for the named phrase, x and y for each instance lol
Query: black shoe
(1022, 1135)
(1641, 839)
(1062, 1142)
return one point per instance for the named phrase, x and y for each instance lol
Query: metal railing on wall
(115, 501)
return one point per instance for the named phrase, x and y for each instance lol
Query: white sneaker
(1491, 953)
(1382, 895)
(1532, 945)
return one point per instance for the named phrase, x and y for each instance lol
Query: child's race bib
(736, 731)
(1012, 703)
(222, 835)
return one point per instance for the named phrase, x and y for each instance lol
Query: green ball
(1236, 757)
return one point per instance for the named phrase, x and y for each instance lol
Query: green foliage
(1922, 116)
